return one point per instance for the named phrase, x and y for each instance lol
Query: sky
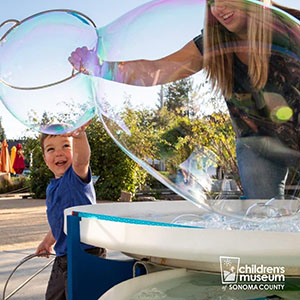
(101, 12)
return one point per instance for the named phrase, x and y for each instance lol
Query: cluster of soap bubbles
(260, 216)
(41, 89)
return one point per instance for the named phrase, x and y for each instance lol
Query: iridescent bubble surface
(236, 140)
(152, 30)
(185, 133)
(34, 68)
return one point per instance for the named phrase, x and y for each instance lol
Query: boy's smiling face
(58, 154)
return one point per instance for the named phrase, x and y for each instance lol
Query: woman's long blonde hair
(220, 44)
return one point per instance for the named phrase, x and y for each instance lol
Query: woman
(266, 145)
(241, 50)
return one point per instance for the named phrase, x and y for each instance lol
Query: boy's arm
(81, 153)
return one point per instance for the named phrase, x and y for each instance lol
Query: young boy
(67, 156)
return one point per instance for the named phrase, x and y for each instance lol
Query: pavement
(36, 288)
(23, 225)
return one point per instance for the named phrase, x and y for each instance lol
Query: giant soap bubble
(183, 133)
(186, 133)
(37, 84)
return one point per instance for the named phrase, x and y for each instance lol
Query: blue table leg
(89, 276)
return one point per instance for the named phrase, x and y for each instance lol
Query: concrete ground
(35, 289)
(23, 225)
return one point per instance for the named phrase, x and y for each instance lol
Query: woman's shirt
(247, 106)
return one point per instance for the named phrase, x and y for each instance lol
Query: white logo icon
(229, 269)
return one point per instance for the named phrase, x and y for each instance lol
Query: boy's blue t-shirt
(66, 191)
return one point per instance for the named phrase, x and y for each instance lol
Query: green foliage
(116, 170)
(40, 174)
(170, 133)
(170, 146)
(143, 132)
(178, 97)
(185, 132)
(216, 133)
(13, 183)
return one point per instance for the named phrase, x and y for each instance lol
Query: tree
(207, 127)
(115, 169)
(170, 138)
(40, 174)
(215, 132)
(2, 132)
(178, 98)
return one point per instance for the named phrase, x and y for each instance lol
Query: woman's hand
(85, 61)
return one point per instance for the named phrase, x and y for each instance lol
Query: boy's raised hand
(77, 132)
(81, 151)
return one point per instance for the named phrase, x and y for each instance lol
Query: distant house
(12, 143)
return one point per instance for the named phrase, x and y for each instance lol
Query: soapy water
(260, 216)
(221, 222)
(194, 157)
